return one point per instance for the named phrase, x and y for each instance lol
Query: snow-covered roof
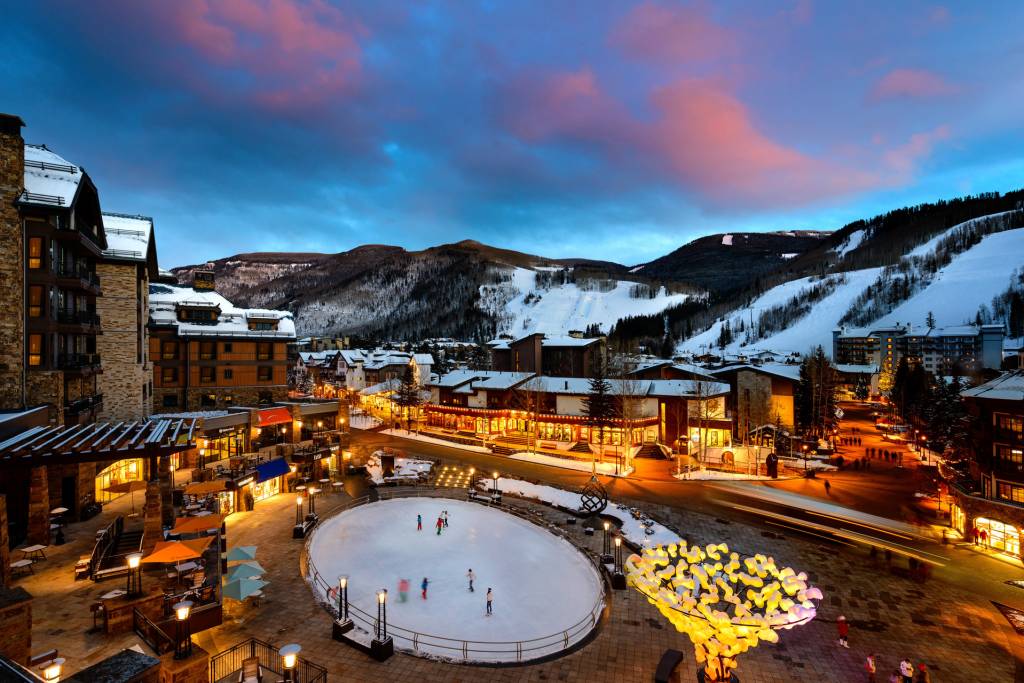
(423, 358)
(203, 414)
(127, 236)
(686, 387)
(784, 370)
(664, 388)
(500, 344)
(381, 387)
(854, 369)
(568, 341)
(378, 362)
(352, 356)
(1007, 387)
(682, 367)
(50, 179)
(317, 357)
(909, 330)
(482, 379)
(164, 301)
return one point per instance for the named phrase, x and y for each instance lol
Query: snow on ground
(853, 240)
(706, 475)
(565, 307)
(929, 246)
(632, 528)
(810, 464)
(542, 584)
(972, 279)
(803, 335)
(727, 240)
(429, 439)
(363, 421)
(405, 468)
(603, 468)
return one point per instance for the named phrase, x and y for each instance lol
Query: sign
(242, 482)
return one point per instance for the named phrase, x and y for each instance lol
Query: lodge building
(552, 356)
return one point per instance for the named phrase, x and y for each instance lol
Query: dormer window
(197, 315)
(262, 324)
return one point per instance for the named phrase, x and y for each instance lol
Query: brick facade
(126, 369)
(16, 624)
(12, 266)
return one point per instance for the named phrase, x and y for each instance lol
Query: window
(170, 400)
(35, 350)
(35, 252)
(198, 315)
(1009, 456)
(1010, 492)
(208, 400)
(263, 373)
(1011, 426)
(264, 351)
(206, 375)
(262, 325)
(227, 347)
(228, 399)
(169, 375)
(169, 350)
(207, 350)
(35, 301)
(229, 373)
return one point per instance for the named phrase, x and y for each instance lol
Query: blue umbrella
(242, 552)
(240, 589)
(246, 570)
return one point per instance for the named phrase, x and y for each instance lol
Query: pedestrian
(440, 523)
(424, 585)
(922, 674)
(403, 590)
(974, 535)
(419, 522)
(984, 538)
(828, 488)
(472, 577)
(907, 671)
(844, 631)
(869, 668)
(444, 516)
(490, 596)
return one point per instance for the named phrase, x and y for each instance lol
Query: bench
(670, 660)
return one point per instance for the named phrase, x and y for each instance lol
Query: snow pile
(437, 442)
(542, 585)
(405, 468)
(364, 421)
(581, 465)
(708, 475)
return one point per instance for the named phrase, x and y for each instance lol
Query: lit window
(35, 350)
(35, 301)
(35, 252)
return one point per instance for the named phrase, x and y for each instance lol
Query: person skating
(444, 516)
(403, 590)
(472, 577)
(419, 522)
(869, 668)
(440, 523)
(907, 671)
(490, 596)
(423, 586)
(844, 631)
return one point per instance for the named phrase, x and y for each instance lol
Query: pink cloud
(278, 52)
(903, 160)
(911, 83)
(672, 33)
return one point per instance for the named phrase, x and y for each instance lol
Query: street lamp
(134, 586)
(382, 614)
(607, 525)
(343, 598)
(495, 477)
(51, 672)
(312, 500)
(618, 554)
(289, 658)
(298, 510)
(183, 645)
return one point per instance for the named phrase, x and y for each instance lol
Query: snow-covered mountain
(954, 276)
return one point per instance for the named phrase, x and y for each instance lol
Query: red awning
(274, 416)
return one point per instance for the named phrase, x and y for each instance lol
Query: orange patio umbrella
(195, 525)
(127, 487)
(172, 552)
(203, 487)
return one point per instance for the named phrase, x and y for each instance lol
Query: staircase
(113, 563)
(500, 449)
(650, 450)
(581, 447)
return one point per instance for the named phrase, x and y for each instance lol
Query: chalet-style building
(359, 369)
(208, 354)
(991, 498)
(569, 356)
(666, 369)
(761, 394)
(128, 264)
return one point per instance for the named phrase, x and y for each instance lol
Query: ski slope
(523, 308)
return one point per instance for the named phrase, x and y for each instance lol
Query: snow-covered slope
(522, 306)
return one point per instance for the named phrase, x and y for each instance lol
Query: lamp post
(183, 644)
(343, 598)
(618, 554)
(606, 550)
(289, 658)
(51, 672)
(494, 491)
(298, 511)
(382, 614)
(312, 500)
(134, 586)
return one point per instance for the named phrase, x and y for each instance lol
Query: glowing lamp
(52, 669)
(182, 610)
(133, 560)
(290, 655)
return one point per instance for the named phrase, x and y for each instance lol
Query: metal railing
(104, 543)
(229, 662)
(78, 318)
(456, 649)
(83, 404)
(77, 360)
(150, 633)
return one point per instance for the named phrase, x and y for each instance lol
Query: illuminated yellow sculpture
(726, 605)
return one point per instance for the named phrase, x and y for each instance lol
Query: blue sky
(610, 130)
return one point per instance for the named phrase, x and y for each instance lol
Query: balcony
(78, 361)
(77, 277)
(83, 406)
(78, 318)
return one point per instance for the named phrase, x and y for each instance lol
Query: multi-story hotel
(208, 354)
(942, 350)
(570, 356)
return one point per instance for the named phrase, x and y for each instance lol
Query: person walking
(472, 577)
(419, 522)
(828, 488)
(984, 538)
(922, 674)
(869, 668)
(907, 671)
(423, 586)
(440, 523)
(843, 627)
(490, 597)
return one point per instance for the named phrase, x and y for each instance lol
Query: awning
(203, 487)
(271, 469)
(274, 416)
(193, 525)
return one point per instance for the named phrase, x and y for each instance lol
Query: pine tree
(599, 405)
(408, 395)
(930, 321)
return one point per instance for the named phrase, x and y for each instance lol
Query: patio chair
(250, 672)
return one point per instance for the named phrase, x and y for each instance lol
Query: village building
(554, 356)
(760, 395)
(209, 354)
(942, 351)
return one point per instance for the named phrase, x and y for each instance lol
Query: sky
(614, 130)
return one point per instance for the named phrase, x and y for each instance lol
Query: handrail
(150, 633)
(519, 651)
(228, 662)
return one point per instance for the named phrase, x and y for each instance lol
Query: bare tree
(629, 406)
(526, 398)
(707, 407)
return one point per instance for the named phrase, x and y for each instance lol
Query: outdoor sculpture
(593, 497)
(725, 604)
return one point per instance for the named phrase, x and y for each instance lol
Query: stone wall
(39, 507)
(762, 399)
(124, 372)
(46, 386)
(241, 396)
(16, 624)
(5, 546)
(12, 269)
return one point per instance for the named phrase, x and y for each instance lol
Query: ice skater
(403, 590)
(444, 516)
(472, 577)
(440, 523)
(424, 585)
(490, 597)
(419, 522)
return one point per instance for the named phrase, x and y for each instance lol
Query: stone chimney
(12, 264)
(204, 280)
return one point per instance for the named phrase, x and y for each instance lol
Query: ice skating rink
(542, 584)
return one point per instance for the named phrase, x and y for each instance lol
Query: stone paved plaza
(958, 634)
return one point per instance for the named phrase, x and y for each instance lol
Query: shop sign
(242, 482)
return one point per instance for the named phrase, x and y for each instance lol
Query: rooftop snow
(1007, 387)
(127, 236)
(784, 370)
(231, 322)
(50, 177)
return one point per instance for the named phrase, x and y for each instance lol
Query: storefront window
(1002, 537)
(121, 471)
(957, 518)
(266, 489)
